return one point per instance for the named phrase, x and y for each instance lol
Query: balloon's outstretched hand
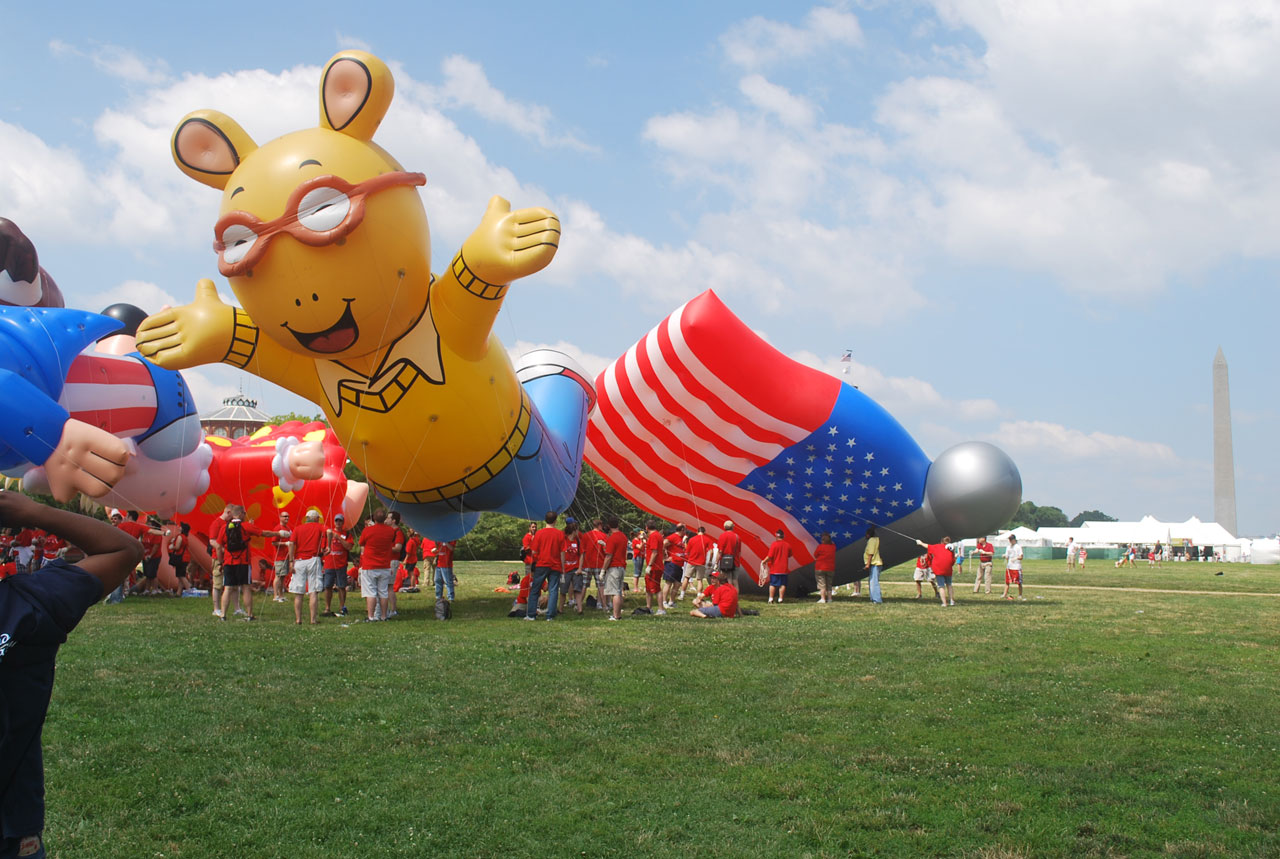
(181, 337)
(509, 245)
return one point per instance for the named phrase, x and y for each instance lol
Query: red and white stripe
(113, 392)
(688, 412)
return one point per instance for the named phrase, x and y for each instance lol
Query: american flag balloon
(703, 422)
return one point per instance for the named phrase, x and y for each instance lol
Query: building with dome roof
(239, 416)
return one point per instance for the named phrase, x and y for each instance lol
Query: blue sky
(1032, 224)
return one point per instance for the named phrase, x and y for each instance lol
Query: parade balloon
(702, 422)
(323, 238)
(247, 471)
(23, 283)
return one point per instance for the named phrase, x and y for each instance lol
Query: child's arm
(110, 554)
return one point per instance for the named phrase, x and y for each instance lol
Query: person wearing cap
(338, 546)
(1013, 568)
(778, 565)
(720, 599)
(729, 545)
(307, 581)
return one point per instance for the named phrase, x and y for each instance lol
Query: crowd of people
(568, 567)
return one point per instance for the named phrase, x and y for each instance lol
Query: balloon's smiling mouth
(338, 336)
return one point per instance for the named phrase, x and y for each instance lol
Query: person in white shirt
(1013, 568)
(1071, 554)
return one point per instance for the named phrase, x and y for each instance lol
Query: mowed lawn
(1077, 723)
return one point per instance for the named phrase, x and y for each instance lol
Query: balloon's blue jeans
(540, 575)
(444, 582)
(875, 585)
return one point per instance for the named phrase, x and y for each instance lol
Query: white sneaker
(217, 613)
(239, 611)
(821, 601)
(770, 599)
(526, 617)
(659, 611)
(680, 598)
(953, 602)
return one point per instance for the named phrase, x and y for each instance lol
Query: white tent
(1146, 532)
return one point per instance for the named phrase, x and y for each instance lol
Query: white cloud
(46, 188)
(466, 85)
(117, 62)
(759, 42)
(771, 98)
(1069, 444)
(147, 296)
(902, 396)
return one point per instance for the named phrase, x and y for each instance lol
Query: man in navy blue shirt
(37, 610)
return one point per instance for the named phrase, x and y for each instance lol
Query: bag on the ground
(444, 610)
(727, 564)
(235, 536)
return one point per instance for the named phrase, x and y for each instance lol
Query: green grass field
(1078, 723)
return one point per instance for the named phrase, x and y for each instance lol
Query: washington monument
(1224, 467)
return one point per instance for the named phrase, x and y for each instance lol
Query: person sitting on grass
(720, 599)
(36, 613)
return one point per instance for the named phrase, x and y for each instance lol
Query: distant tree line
(1033, 517)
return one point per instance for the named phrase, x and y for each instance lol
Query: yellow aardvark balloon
(324, 240)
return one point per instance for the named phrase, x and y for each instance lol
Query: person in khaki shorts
(217, 530)
(986, 552)
(615, 564)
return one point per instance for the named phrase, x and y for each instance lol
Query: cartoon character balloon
(704, 422)
(38, 347)
(23, 283)
(249, 471)
(324, 240)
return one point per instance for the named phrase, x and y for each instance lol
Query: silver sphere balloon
(973, 489)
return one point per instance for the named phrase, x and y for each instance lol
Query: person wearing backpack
(236, 533)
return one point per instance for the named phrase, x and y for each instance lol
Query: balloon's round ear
(208, 146)
(356, 89)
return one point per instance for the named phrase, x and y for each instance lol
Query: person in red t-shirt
(729, 545)
(673, 566)
(653, 569)
(592, 544)
(572, 581)
(444, 577)
(986, 554)
(637, 558)
(526, 548)
(695, 561)
(824, 566)
(137, 531)
(338, 546)
(152, 548)
(379, 543)
(180, 555)
(235, 562)
(614, 560)
(720, 599)
(307, 545)
(283, 558)
(548, 564)
(25, 546)
(942, 562)
(412, 548)
(778, 565)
